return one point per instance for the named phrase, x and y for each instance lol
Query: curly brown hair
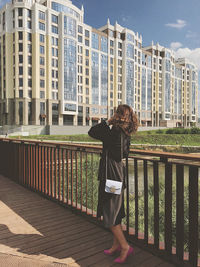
(125, 118)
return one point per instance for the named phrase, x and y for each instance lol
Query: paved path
(36, 232)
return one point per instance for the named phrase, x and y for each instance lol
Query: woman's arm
(100, 131)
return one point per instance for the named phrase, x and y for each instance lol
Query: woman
(115, 135)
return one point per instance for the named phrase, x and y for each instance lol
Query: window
(41, 49)
(80, 49)
(20, 58)
(20, 12)
(54, 29)
(29, 82)
(80, 39)
(29, 37)
(41, 26)
(20, 23)
(29, 48)
(54, 19)
(41, 60)
(42, 72)
(80, 29)
(41, 15)
(111, 43)
(29, 13)
(119, 53)
(20, 47)
(87, 33)
(95, 40)
(42, 94)
(29, 24)
(20, 35)
(80, 99)
(30, 60)
(80, 89)
(42, 83)
(41, 38)
(29, 71)
(86, 81)
(20, 70)
(87, 52)
(20, 93)
(87, 71)
(29, 93)
(20, 82)
(87, 42)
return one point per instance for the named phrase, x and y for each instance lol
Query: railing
(162, 195)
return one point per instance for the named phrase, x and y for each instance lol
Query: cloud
(124, 18)
(175, 45)
(178, 25)
(192, 55)
(191, 34)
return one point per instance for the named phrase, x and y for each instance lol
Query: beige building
(57, 70)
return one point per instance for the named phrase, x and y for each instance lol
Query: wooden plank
(65, 236)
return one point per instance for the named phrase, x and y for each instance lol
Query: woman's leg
(115, 245)
(119, 235)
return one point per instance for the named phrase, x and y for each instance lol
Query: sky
(172, 23)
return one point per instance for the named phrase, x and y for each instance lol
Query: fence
(162, 195)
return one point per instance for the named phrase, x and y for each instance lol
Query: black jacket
(114, 140)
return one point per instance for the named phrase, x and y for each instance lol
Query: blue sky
(162, 21)
(173, 23)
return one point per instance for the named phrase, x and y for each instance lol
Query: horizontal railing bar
(163, 155)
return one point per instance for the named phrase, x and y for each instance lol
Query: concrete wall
(67, 130)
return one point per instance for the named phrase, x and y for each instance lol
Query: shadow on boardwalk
(42, 233)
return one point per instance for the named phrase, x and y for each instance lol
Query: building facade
(57, 70)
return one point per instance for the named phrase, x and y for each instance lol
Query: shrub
(159, 131)
(195, 130)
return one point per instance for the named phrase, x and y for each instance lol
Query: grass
(148, 137)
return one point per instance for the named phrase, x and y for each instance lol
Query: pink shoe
(107, 252)
(130, 251)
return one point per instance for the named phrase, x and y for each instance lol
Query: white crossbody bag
(112, 186)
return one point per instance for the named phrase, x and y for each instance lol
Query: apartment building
(57, 70)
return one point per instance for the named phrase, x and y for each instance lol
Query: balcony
(162, 197)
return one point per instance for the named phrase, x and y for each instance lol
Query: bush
(178, 131)
(170, 131)
(195, 130)
(159, 131)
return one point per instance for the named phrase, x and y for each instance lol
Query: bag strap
(106, 164)
(121, 146)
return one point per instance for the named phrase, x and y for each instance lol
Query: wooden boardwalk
(37, 232)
